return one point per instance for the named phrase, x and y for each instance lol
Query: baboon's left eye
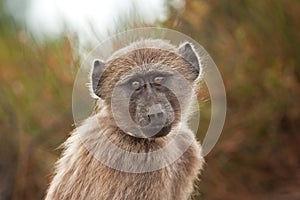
(158, 80)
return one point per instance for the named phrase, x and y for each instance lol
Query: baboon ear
(187, 51)
(98, 68)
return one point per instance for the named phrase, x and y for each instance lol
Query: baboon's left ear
(98, 68)
(187, 51)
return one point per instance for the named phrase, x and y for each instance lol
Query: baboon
(146, 73)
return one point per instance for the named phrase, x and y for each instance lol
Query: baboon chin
(137, 144)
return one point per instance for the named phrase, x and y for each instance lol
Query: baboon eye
(158, 80)
(135, 85)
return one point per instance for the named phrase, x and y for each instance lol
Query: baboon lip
(150, 131)
(157, 131)
(154, 127)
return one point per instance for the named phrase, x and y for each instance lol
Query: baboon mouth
(149, 131)
(158, 125)
(156, 131)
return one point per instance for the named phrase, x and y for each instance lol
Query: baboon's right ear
(187, 51)
(98, 68)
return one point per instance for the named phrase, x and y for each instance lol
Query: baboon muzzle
(157, 122)
(156, 115)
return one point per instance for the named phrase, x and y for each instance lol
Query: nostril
(160, 115)
(151, 116)
(156, 113)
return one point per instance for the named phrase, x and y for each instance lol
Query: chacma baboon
(144, 107)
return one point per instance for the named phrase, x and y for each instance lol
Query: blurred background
(255, 44)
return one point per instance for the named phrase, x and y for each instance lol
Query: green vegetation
(256, 46)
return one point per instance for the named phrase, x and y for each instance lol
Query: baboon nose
(157, 121)
(156, 115)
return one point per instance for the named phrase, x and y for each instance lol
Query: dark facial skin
(152, 106)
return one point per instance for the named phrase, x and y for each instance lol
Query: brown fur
(79, 175)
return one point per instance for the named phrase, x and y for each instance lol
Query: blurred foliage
(256, 46)
(35, 110)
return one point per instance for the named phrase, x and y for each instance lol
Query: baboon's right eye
(135, 85)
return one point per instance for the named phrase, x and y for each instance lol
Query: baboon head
(147, 88)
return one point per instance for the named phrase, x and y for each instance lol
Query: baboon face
(153, 106)
(146, 90)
